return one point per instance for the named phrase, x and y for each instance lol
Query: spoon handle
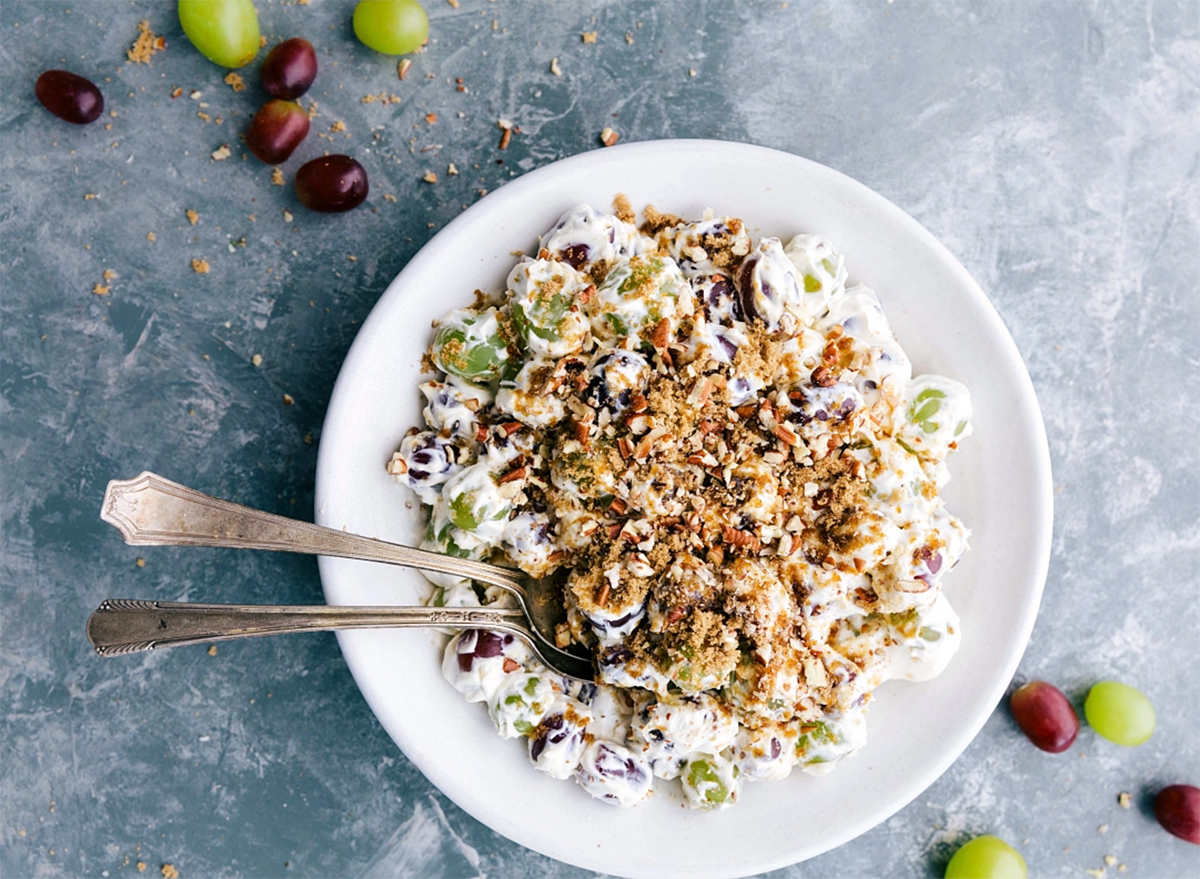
(151, 511)
(123, 625)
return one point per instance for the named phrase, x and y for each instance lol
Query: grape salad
(721, 451)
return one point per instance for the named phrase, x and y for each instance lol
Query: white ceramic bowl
(1001, 488)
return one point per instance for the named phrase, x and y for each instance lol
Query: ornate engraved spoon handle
(151, 511)
(121, 625)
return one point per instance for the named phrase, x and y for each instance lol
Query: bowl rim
(1026, 411)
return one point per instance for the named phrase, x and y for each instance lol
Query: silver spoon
(120, 626)
(149, 510)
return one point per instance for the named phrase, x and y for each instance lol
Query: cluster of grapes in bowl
(1118, 712)
(227, 33)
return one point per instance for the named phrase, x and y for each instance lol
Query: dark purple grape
(1045, 716)
(69, 97)
(276, 130)
(575, 255)
(480, 644)
(744, 284)
(332, 184)
(1177, 809)
(551, 732)
(290, 69)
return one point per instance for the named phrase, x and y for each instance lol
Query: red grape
(276, 130)
(69, 97)
(331, 184)
(1045, 716)
(290, 69)
(1177, 809)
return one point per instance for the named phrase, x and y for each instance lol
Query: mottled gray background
(1053, 146)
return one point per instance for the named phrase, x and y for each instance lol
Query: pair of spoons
(149, 510)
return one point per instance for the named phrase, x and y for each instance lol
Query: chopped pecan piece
(512, 475)
(744, 539)
(786, 434)
(823, 378)
(662, 331)
(581, 432)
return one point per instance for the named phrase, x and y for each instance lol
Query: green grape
(224, 31)
(925, 407)
(703, 778)
(468, 344)
(393, 27)
(987, 857)
(1119, 713)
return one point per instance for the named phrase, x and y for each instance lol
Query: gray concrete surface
(1053, 146)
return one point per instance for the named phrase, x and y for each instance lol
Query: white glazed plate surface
(1001, 489)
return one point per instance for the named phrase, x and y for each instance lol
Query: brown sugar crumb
(192, 216)
(623, 209)
(430, 177)
(141, 866)
(589, 36)
(201, 266)
(699, 645)
(338, 126)
(146, 44)
(761, 357)
(655, 221)
(722, 249)
(235, 82)
(169, 871)
(109, 274)
(593, 590)
(431, 118)
(100, 289)
(90, 196)
(150, 236)
(277, 177)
